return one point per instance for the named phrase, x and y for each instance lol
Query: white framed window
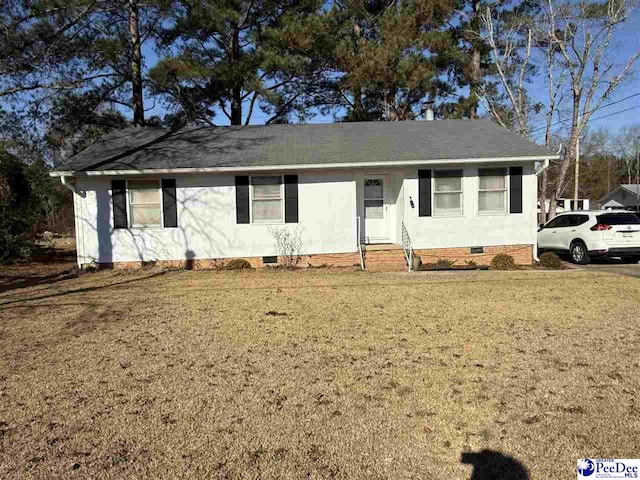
(492, 191)
(447, 193)
(145, 203)
(267, 199)
(374, 198)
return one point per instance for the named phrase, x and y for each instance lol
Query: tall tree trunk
(135, 52)
(542, 198)
(236, 89)
(570, 153)
(475, 75)
(358, 109)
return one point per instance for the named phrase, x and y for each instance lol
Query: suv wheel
(579, 253)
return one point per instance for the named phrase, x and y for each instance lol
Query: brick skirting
(380, 259)
(522, 254)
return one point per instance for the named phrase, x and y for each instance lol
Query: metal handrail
(406, 247)
(359, 243)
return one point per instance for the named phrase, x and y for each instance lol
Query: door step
(372, 247)
(384, 258)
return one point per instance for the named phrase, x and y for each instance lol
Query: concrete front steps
(386, 257)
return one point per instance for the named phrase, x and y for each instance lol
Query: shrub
(471, 263)
(237, 264)
(322, 265)
(503, 262)
(551, 261)
(445, 263)
(288, 245)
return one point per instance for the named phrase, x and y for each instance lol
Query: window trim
(282, 202)
(130, 205)
(507, 189)
(434, 175)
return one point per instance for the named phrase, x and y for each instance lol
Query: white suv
(587, 234)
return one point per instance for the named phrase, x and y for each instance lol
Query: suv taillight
(600, 226)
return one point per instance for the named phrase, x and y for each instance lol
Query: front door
(376, 221)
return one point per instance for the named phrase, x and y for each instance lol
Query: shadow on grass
(492, 465)
(10, 282)
(81, 290)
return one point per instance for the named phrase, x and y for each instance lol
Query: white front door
(376, 218)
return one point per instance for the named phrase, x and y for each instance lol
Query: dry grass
(317, 374)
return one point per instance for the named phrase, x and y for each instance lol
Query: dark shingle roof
(299, 144)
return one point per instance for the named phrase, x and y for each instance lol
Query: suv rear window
(619, 219)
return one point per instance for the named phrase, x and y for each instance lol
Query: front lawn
(318, 374)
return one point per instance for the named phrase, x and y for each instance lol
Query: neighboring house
(566, 205)
(458, 189)
(626, 196)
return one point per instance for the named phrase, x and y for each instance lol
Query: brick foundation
(522, 254)
(379, 259)
(320, 260)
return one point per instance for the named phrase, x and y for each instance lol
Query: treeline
(73, 65)
(608, 158)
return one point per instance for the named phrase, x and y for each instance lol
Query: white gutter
(547, 163)
(309, 166)
(65, 182)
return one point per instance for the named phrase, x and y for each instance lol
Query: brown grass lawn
(317, 374)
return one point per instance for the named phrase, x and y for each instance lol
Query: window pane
(492, 179)
(373, 188)
(373, 209)
(448, 203)
(144, 191)
(618, 219)
(266, 187)
(267, 210)
(491, 201)
(145, 215)
(448, 184)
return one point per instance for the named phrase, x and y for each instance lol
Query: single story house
(372, 194)
(625, 196)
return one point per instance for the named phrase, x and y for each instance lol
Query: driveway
(613, 265)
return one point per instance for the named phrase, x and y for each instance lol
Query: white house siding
(472, 229)
(207, 225)
(329, 203)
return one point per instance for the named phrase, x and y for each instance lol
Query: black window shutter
(424, 193)
(119, 199)
(515, 190)
(242, 199)
(291, 198)
(169, 203)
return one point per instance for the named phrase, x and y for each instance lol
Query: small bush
(503, 262)
(445, 263)
(550, 261)
(471, 263)
(237, 264)
(322, 265)
(288, 245)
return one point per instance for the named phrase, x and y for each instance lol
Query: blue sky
(627, 41)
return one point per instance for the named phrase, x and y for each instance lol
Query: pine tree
(75, 47)
(223, 56)
(390, 57)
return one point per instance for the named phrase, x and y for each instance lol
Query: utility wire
(590, 111)
(596, 118)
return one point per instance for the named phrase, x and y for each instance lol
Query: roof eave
(315, 166)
